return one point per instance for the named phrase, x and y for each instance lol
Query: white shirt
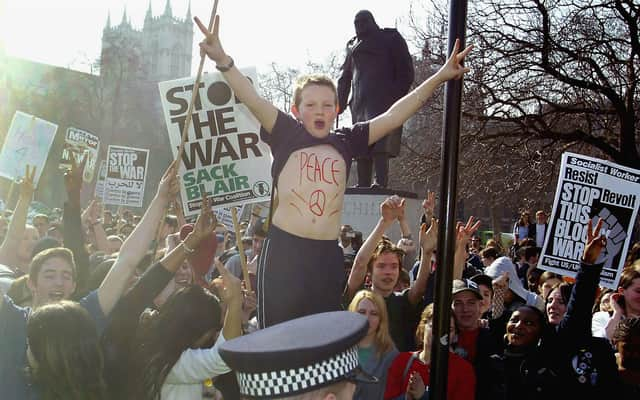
(540, 231)
(194, 366)
(599, 322)
(346, 250)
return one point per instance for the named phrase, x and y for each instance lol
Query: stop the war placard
(79, 143)
(126, 173)
(223, 155)
(591, 188)
(102, 177)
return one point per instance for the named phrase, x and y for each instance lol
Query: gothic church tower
(160, 51)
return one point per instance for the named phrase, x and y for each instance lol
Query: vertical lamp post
(447, 211)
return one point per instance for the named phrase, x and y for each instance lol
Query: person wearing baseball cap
(467, 285)
(475, 342)
(312, 357)
(466, 310)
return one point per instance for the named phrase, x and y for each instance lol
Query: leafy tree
(547, 77)
(561, 72)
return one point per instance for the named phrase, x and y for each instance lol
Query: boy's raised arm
(95, 224)
(404, 108)
(137, 244)
(428, 239)
(463, 234)
(264, 111)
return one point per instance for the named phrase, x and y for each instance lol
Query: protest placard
(126, 173)
(223, 215)
(102, 176)
(223, 154)
(28, 142)
(591, 188)
(78, 143)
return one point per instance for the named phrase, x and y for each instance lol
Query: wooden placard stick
(187, 124)
(194, 92)
(7, 204)
(243, 259)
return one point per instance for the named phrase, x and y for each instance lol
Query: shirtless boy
(301, 265)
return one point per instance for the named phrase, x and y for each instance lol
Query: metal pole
(447, 211)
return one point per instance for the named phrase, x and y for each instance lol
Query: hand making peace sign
(453, 68)
(211, 45)
(595, 243)
(27, 186)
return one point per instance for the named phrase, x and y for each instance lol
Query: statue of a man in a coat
(378, 70)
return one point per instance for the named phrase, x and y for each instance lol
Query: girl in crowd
(591, 358)
(173, 351)
(409, 374)
(376, 350)
(408, 377)
(176, 350)
(546, 352)
(521, 227)
(63, 353)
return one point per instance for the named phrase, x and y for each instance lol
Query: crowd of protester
(100, 304)
(127, 306)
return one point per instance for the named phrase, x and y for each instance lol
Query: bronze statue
(378, 70)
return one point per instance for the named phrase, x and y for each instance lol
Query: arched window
(154, 56)
(175, 61)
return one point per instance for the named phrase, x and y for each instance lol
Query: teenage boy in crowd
(310, 170)
(383, 261)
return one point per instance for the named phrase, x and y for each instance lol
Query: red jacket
(461, 383)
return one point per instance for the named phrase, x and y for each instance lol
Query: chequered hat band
(289, 382)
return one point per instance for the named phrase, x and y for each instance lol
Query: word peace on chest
(319, 168)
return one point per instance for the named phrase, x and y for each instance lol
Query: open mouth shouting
(182, 281)
(517, 338)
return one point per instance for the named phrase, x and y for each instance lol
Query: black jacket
(566, 360)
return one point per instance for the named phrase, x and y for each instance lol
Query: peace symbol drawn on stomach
(317, 202)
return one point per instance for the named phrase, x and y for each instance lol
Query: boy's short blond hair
(313, 79)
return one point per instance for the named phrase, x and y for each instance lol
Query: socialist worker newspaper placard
(223, 155)
(126, 173)
(591, 188)
(80, 144)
